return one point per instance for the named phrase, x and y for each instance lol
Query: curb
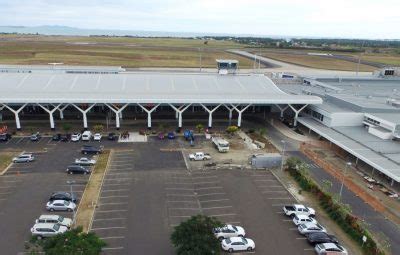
(284, 185)
(6, 169)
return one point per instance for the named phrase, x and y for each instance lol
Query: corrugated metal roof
(144, 87)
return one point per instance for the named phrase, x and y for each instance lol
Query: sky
(372, 19)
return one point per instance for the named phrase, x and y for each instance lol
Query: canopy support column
(16, 113)
(296, 112)
(230, 113)
(240, 111)
(179, 111)
(148, 114)
(118, 113)
(50, 112)
(61, 110)
(282, 109)
(84, 112)
(210, 112)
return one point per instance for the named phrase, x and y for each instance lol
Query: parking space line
(278, 205)
(203, 177)
(112, 237)
(112, 248)
(274, 191)
(188, 208)
(308, 249)
(117, 173)
(180, 216)
(179, 189)
(221, 215)
(109, 219)
(219, 207)
(193, 202)
(214, 200)
(97, 229)
(284, 198)
(177, 183)
(5, 193)
(116, 184)
(269, 180)
(301, 238)
(108, 211)
(20, 140)
(211, 194)
(113, 190)
(114, 203)
(117, 179)
(112, 196)
(180, 195)
(200, 183)
(218, 187)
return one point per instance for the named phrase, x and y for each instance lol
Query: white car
(47, 229)
(23, 158)
(291, 210)
(306, 228)
(97, 137)
(75, 137)
(228, 231)
(232, 244)
(330, 248)
(60, 205)
(55, 219)
(85, 162)
(199, 156)
(299, 219)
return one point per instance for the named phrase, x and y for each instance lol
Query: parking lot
(147, 191)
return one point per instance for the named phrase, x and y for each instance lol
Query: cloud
(340, 18)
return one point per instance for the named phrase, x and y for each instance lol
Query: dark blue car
(171, 135)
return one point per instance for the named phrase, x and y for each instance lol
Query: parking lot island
(85, 211)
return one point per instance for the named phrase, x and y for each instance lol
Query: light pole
(348, 164)
(283, 153)
(70, 183)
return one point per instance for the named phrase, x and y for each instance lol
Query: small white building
(383, 125)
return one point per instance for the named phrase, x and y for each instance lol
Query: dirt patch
(269, 147)
(90, 196)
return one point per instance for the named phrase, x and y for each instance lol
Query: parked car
(292, 210)
(97, 137)
(47, 229)
(228, 231)
(23, 158)
(60, 205)
(321, 237)
(91, 150)
(61, 195)
(65, 138)
(55, 219)
(161, 136)
(4, 137)
(77, 169)
(75, 137)
(306, 228)
(35, 137)
(199, 156)
(85, 162)
(112, 136)
(171, 135)
(232, 244)
(86, 136)
(56, 137)
(330, 248)
(300, 218)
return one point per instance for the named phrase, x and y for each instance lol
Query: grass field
(120, 51)
(300, 57)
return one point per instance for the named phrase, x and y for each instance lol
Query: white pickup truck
(220, 144)
(199, 156)
(297, 209)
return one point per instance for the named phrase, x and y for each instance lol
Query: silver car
(47, 229)
(60, 205)
(23, 158)
(306, 228)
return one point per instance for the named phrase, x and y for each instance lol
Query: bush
(232, 129)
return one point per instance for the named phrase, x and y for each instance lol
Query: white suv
(23, 158)
(76, 137)
(54, 219)
(228, 231)
(300, 218)
(47, 229)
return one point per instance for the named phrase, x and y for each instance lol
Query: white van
(86, 136)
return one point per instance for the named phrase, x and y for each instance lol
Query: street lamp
(283, 153)
(348, 164)
(70, 183)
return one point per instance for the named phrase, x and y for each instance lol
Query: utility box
(268, 160)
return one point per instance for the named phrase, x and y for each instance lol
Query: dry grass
(126, 52)
(91, 194)
(5, 159)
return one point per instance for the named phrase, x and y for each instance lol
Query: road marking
(180, 216)
(301, 238)
(9, 187)
(5, 193)
(113, 196)
(179, 189)
(208, 188)
(274, 191)
(222, 215)
(214, 200)
(119, 179)
(109, 219)
(219, 207)
(293, 229)
(200, 183)
(118, 174)
(116, 184)
(96, 229)
(189, 208)
(285, 198)
(20, 140)
(108, 211)
(211, 194)
(112, 248)
(115, 203)
(278, 204)
(203, 177)
(193, 202)
(287, 220)
(112, 237)
(180, 195)
(308, 249)
(113, 190)
(269, 180)
(177, 183)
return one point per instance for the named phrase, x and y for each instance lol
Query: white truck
(199, 156)
(297, 209)
(221, 144)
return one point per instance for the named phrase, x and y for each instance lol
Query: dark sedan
(5, 137)
(91, 149)
(77, 169)
(61, 195)
(321, 237)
